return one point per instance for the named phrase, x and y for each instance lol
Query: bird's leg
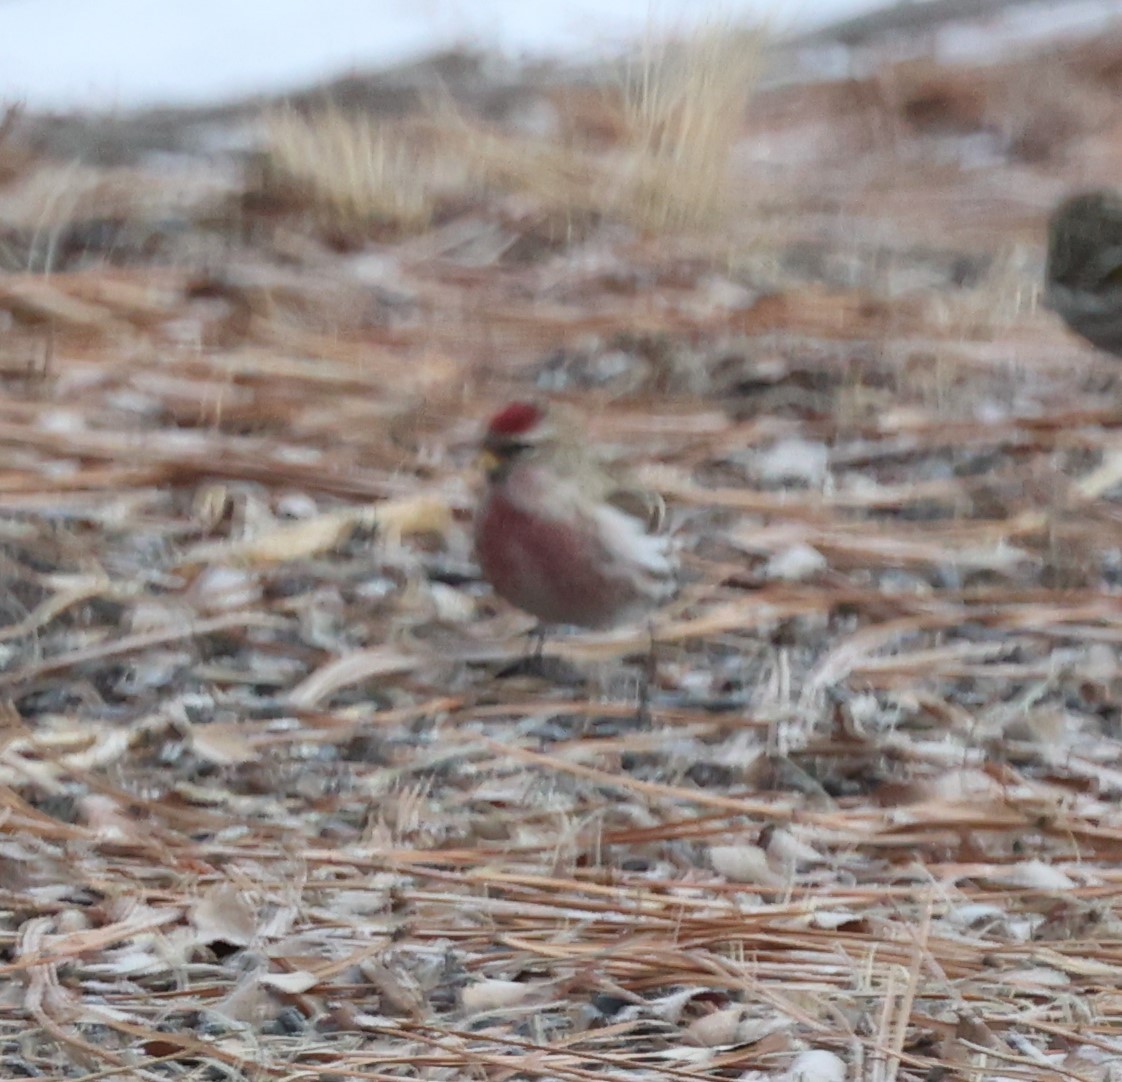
(647, 680)
(531, 663)
(538, 635)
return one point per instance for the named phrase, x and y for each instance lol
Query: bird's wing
(646, 506)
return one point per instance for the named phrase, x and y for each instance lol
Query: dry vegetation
(274, 808)
(672, 123)
(357, 172)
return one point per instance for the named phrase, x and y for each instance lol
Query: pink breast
(552, 570)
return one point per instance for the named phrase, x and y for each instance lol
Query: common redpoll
(1084, 268)
(557, 536)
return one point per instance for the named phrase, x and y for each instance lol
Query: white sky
(122, 53)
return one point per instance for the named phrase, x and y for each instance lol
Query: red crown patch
(515, 419)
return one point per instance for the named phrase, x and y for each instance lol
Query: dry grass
(684, 107)
(359, 173)
(678, 119)
(557, 176)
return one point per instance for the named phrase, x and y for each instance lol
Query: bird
(557, 535)
(1083, 271)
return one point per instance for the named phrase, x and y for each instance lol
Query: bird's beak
(487, 461)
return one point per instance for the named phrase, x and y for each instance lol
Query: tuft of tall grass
(356, 171)
(678, 118)
(683, 107)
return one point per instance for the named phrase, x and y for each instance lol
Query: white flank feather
(649, 560)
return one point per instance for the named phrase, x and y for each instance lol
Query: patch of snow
(122, 54)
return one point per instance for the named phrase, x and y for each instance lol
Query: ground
(277, 803)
